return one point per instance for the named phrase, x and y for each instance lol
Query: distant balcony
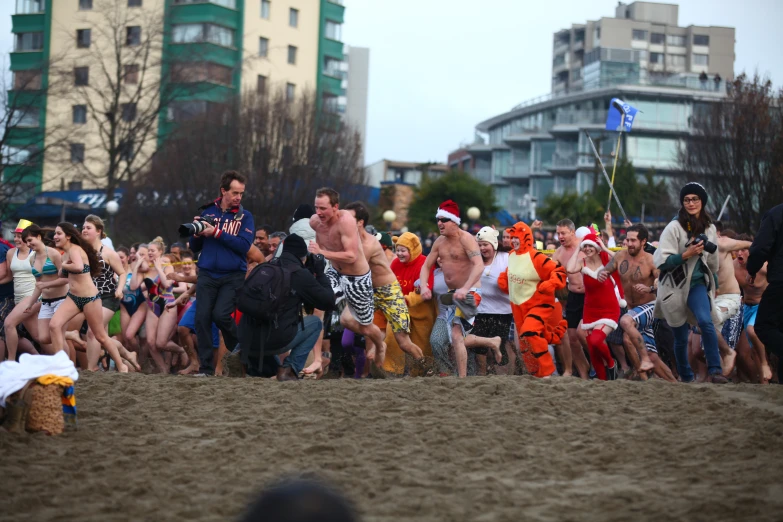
(560, 47)
(581, 117)
(564, 161)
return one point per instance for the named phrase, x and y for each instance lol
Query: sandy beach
(493, 448)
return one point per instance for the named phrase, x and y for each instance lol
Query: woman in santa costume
(603, 299)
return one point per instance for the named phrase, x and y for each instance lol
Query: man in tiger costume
(531, 280)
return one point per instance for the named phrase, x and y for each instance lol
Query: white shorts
(49, 307)
(726, 306)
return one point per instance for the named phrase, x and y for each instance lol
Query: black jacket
(260, 337)
(768, 246)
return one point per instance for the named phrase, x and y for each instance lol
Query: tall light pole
(112, 207)
(388, 217)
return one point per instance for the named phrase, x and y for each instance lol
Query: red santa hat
(592, 240)
(449, 210)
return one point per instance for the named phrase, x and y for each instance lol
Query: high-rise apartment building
(640, 56)
(642, 41)
(170, 58)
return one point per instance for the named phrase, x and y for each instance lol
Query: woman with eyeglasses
(688, 260)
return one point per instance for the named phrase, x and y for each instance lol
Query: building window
(701, 59)
(180, 111)
(128, 112)
(83, 37)
(27, 80)
(293, 17)
(263, 47)
(332, 67)
(19, 155)
(657, 38)
(701, 39)
(29, 42)
(74, 185)
(27, 117)
(675, 60)
(639, 34)
(85, 5)
(656, 58)
(131, 73)
(333, 30)
(81, 76)
(133, 36)
(30, 6)
(261, 86)
(134, 3)
(79, 114)
(290, 90)
(193, 33)
(675, 40)
(77, 152)
(126, 150)
(191, 72)
(331, 103)
(266, 7)
(292, 55)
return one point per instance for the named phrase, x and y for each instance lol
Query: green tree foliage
(581, 209)
(464, 189)
(634, 192)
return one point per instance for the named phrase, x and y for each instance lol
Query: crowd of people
(333, 295)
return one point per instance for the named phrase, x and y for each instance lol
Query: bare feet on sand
(132, 358)
(766, 373)
(381, 355)
(728, 361)
(190, 369)
(316, 367)
(496, 342)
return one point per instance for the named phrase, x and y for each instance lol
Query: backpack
(264, 290)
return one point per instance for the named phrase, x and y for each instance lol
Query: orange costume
(531, 280)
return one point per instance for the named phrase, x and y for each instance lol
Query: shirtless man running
(460, 261)
(639, 276)
(337, 239)
(574, 307)
(387, 292)
(753, 292)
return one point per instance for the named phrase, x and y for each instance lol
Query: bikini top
(48, 267)
(85, 270)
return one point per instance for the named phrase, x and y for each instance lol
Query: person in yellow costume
(407, 267)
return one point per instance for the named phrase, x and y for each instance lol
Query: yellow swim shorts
(389, 300)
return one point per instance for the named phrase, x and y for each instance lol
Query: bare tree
(122, 83)
(736, 149)
(23, 142)
(287, 149)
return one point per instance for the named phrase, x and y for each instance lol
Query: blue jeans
(301, 345)
(699, 304)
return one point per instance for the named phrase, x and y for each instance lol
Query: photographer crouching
(223, 234)
(688, 260)
(271, 304)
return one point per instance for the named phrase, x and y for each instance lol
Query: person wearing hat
(493, 320)
(604, 297)
(292, 333)
(20, 271)
(387, 244)
(407, 267)
(687, 258)
(460, 260)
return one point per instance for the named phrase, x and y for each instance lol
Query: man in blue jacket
(222, 264)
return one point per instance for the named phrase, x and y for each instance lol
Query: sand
(493, 448)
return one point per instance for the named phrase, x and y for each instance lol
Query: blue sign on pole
(614, 120)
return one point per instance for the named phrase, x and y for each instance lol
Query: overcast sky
(438, 67)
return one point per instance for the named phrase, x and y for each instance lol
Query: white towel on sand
(14, 375)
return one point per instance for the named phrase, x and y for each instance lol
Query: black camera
(316, 263)
(191, 229)
(709, 246)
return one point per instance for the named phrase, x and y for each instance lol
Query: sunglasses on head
(442, 220)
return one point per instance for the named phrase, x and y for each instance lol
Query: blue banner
(614, 120)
